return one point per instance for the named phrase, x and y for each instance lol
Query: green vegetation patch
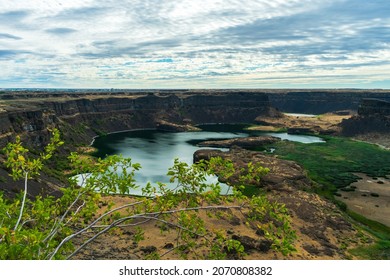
(379, 250)
(333, 163)
(332, 166)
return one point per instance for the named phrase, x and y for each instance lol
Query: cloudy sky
(195, 43)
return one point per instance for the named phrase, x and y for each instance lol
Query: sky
(194, 44)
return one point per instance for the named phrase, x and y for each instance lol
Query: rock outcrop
(245, 142)
(172, 127)
(374, 107)
(326, 124)
(84, 116)
(283, 175)
(373, 117)
(322, 101)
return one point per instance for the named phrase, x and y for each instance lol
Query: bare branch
(51, 255)
(23, 201)
(75, 212)
(170, 250)
(115, 223)
(148, 219)
(126, 225)
(55, 229)
(213, 207)
(149, 216)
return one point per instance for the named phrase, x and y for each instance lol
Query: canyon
(88, 113)
(324, 231)
(83, 116)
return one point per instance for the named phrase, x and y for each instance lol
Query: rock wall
(374, 107)
(32, 125)
(320, 102)
(373, 117)
(83, 117)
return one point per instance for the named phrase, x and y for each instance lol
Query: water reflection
(156, 150)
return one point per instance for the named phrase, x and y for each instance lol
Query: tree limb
(149, 216)
(23, 201)
(51, 255)
(57, 226)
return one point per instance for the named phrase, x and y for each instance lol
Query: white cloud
(188, 43)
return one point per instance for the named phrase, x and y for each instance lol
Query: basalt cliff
(323, 231)
(81, 117)
(372, 123)
(323, 100)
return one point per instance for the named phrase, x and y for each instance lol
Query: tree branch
(149, 216)
(115, 223)
(51, 255)
(75, 213)
(57, 226)
(23, 201)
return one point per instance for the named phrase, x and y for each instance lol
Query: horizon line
(182, 89)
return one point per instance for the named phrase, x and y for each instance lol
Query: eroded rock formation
(83, 117)
(245, 142)
(284, 175)
(322, 101)
(372, 121)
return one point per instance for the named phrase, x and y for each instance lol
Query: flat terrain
(323, 124)
(371, 198)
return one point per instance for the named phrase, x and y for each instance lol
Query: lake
(156, 150)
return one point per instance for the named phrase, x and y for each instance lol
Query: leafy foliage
(21, 165)
(45, 228)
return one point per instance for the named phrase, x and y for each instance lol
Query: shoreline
(120, 131)
(154, 128)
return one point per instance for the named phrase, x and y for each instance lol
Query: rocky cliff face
(374, 107)
(373, 118)
(80, 118)
(323, 101)
(83, 116)
(320, 226)
(32, 124)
